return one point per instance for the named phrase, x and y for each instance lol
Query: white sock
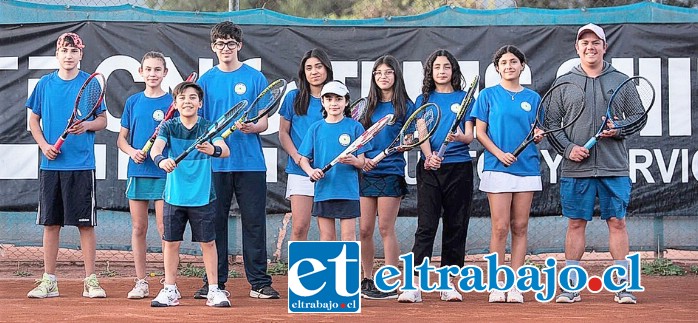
(625, 265)
(213, 288)
(171, 287)
(573, 274)
(52, 277)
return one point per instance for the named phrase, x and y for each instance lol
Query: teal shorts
(145, 188)
(578, 196)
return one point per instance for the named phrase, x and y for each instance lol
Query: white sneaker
(410, 296)
(141, 290)
(497, 296)
(514, 296)
(179, 296)
(166, 297)
(46, 287)
(451, 296)
(92, 289)
(217, 298)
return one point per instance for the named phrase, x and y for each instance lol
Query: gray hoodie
(609, 157)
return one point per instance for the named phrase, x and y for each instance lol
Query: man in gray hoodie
(600, 172)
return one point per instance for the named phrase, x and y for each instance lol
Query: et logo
(324, 277)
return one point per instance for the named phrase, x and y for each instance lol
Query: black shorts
(200, 219)
(382, 186)
(67, 198)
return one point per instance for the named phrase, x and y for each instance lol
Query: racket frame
(268, 110)
(74, 120)
(398, 142)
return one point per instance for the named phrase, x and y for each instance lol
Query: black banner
(663, 158)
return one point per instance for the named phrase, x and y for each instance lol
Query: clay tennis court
(665, 299)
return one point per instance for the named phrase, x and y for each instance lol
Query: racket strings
(561, 107)
(90, 98)
(630, 103)
(358, 109)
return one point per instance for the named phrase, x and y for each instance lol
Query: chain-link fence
(356, 9)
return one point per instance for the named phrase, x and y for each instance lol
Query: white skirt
(299, 185)
(499, 182)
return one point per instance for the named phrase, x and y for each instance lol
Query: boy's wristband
(217, 151)
(157, 159)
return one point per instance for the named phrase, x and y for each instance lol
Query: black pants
(250, 190)
(444, 193)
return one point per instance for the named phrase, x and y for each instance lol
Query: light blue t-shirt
(508, 123)
(456, 152)
(325, 141)
(395, 163)
(222, 90)
(190, 184)
(299, 125)
(141, 116)
(53, 100)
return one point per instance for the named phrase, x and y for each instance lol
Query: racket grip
(520, 149)
(147, 146)
(380, 157)
(324, 170)
(590, 143)
(59, 143)
(442, 150)
(227, 132)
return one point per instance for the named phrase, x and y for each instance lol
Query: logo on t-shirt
(344, 139)
(158, 115)
(526, 106)
(240, 88)
(455, 107)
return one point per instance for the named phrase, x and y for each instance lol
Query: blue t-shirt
(325, 141)
(395, 163)
(508, 123)
(222, 90)
(456, 152)
(299, 125)
(141, 116)
(190, 184)
(53, 100)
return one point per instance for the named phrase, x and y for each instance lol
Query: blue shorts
(200, 219)
(145, 188)
(337, 209)
(578, 196)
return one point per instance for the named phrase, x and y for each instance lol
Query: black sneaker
(266, 292)
(202, 293)
(368, 288)
(378, 295)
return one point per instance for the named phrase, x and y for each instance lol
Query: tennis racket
(266, 104)
(627, 108)
(361, 140)
(559, 108)
(358, 109)
(417, 129)
(461, 114)
(220, 124)
(168, 115)
(87, 103)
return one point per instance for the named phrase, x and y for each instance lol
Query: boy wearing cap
(337, 191)
(601, 172)
(67, 176)
(243, 174)
(189, 195)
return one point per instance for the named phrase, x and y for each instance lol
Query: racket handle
(147, 146)
(442, 150)
(228, 132)
(324, 170)
(520, 148)
(590, 143)
(59, 143)
(380, 157)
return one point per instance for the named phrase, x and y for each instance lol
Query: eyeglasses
(386, 73)
(222, 45)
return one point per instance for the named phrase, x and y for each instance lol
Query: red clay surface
(665, 299)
